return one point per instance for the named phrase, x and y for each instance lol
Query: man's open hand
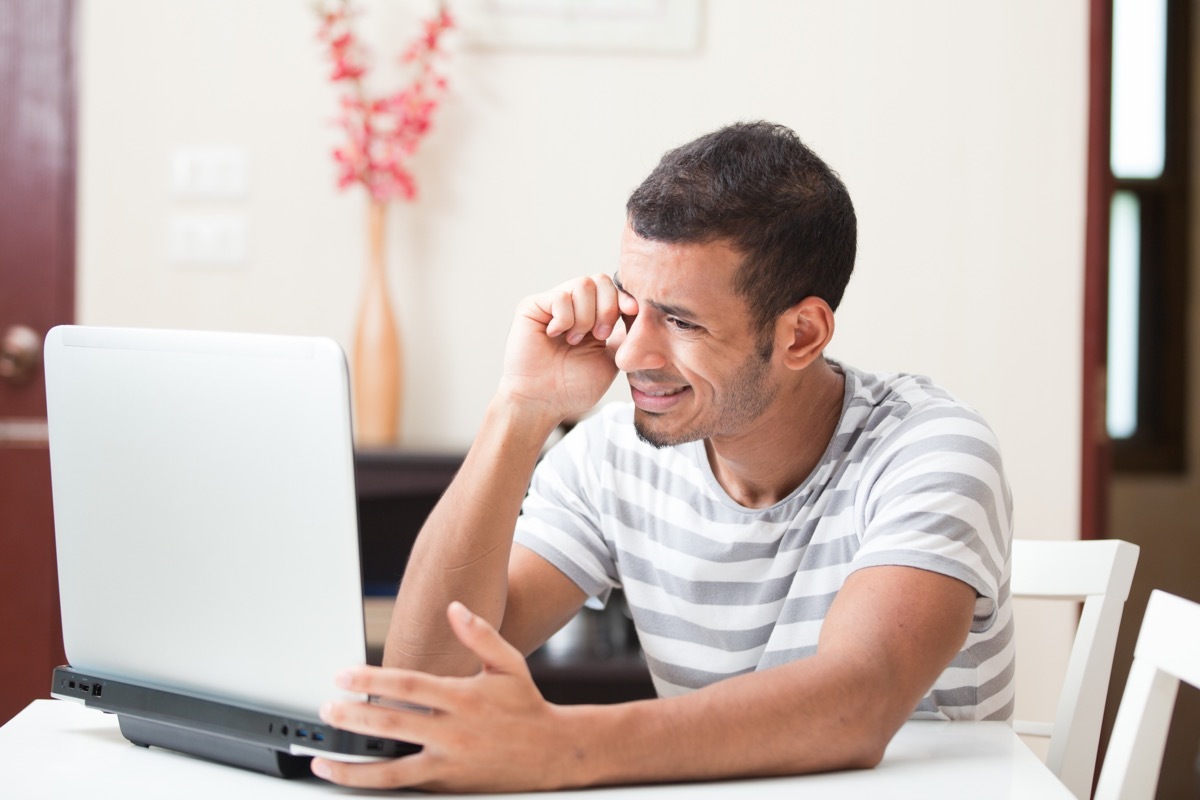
(492, 731)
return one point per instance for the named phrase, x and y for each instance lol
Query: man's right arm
(558, 363)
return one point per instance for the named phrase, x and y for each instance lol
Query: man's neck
(764, 464)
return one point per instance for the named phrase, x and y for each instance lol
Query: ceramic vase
(377, 365)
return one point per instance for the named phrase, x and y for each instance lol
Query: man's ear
(803, 331)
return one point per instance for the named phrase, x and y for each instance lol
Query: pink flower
(383, 133)
(344, 70)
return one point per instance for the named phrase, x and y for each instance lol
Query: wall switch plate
(209, 239)
(210, 172)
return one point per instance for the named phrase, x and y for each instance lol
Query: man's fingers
(562, 313)
(408, 771)
(607, 307)
(581, 306)
(484, 641)
(399, 685)
(583, 298)
(375, 720)
(470, 712)
(409, 703)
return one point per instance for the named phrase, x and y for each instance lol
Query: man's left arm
(889, 634)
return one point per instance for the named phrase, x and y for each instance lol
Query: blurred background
(186, 181)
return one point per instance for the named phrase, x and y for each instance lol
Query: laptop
(207, 540)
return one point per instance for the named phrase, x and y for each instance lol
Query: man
(812, 554)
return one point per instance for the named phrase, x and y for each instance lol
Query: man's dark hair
(757, 186)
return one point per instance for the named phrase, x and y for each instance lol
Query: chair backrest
(1097, 573)
(1167, 651)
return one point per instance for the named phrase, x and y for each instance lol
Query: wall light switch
(210, 172)
(207, 240)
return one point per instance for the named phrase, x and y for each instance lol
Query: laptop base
(215, 729)
(146, 733)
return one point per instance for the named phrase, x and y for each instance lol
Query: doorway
(37, 279)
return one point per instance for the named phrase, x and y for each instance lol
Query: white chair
(1097, 573)
(1167, 651)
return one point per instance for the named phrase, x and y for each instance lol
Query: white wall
(958, 127)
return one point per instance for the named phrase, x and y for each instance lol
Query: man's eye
(679, 324)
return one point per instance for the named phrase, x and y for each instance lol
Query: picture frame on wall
(671, 27)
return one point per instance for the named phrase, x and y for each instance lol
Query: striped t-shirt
(912, 477)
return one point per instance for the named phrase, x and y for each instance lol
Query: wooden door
(37, 278)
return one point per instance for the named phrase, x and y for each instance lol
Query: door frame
(1096, 450)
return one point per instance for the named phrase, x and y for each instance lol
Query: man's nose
(641, 349)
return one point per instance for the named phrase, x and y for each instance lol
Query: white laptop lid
(204, 511)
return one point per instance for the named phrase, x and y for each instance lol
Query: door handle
(20, 354)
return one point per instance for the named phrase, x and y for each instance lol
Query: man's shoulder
(889, 410)
(901, 395)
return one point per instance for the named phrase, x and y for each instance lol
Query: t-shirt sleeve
(559, 519)
(935, 497)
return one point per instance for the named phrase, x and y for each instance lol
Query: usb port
(301, 733)
(318, 736)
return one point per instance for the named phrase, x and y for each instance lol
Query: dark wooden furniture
(396, 491)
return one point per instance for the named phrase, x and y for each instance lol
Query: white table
(61, 750)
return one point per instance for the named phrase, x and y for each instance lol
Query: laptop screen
(204, 510)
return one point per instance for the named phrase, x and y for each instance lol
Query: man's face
(691, 355)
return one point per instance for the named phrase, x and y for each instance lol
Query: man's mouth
(657, 398)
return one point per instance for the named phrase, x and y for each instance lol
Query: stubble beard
(751, 393)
